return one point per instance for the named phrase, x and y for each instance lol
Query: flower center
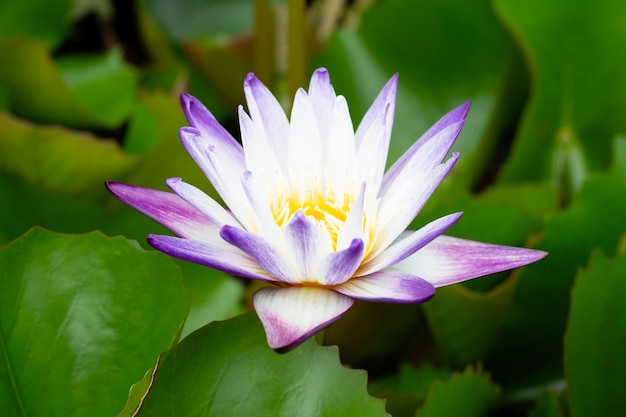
(327, 213)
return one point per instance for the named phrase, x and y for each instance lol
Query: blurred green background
(89, 92)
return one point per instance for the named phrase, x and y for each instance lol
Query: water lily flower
(312, 211)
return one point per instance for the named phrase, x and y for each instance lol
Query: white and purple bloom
(312, 211)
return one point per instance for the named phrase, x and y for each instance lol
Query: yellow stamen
(329, 215)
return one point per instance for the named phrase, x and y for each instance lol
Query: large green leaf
(470, 394)
(465, 323)
(446, 53)
(102, 83)
(534, 333)
(406, 390)
(58, 159)
(46, 21)
(188, 19)
(81, 319)
(548, 404)
(227, 369)
(82, 92)
(578, 63)
(595, 341)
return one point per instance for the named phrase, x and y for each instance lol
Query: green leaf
(548, 404)
(43, 20)
(445, 52)
(407, 391)
(574, 51)
(189, 19)
(99, 92)
(60, 160)
(101, 83)
(227, 369)
(595, 220)
(78, 322)
(596, 339)
(470, 394)
(215, 295)
(465, 323)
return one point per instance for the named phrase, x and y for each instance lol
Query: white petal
(353, 226)
(271, 258)
(259, 154)
(398, 209)
(201, 202)
(339, 151)
(453, 117)
(290, 315)
(448, 260)
(322, 96)
(306, 244)
(265, 224)
(404, 248)
(223, 166)
(217, 254)
(305, 152)
(388, 287)
(266, 110)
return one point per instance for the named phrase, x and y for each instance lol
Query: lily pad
(95, 91)
(79, 322)
(534, 333)
(61, 160)
(596, 339)
(467, 394)
(226, 368)
(24, 18)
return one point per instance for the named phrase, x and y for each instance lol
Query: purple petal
(166, 208)
(448, 260)
(388, 287)
(338, 267)
(454, 117)
(384, 103)
(290, 315)
(201, 202)
(215, 255)
(270, 258)
(201, 118)
(409, 245)
(304, 240)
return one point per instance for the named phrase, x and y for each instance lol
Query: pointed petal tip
(250, 80)
(458, 114)
(110, 185)
(173, 181)
(186, 99)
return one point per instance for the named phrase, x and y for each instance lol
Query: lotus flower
(312, 211)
